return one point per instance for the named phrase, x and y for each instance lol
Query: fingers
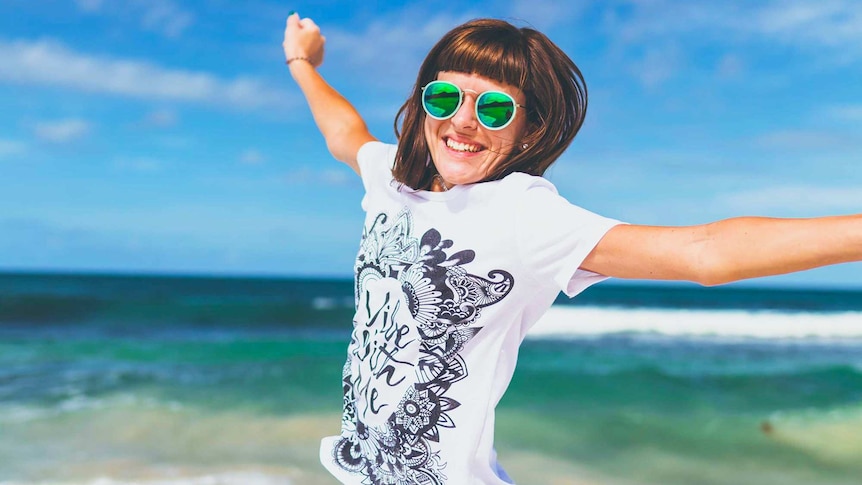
(293, 20)
(302, 38)
(307, 23)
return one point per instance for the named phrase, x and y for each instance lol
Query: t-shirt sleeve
(555, 236)
(375, 160)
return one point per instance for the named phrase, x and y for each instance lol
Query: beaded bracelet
(299, 58)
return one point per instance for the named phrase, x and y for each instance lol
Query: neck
(439, 185)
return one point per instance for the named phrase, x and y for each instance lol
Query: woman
(465, 246)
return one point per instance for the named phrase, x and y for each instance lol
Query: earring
(524, 146)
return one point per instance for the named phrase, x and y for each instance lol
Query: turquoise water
(222, 380)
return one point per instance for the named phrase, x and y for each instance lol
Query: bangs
(495, 51)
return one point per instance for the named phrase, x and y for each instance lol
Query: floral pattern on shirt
(417, 306)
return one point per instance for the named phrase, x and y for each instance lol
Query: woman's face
(463, 150)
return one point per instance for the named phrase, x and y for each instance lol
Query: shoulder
(376, 153)
(534, 202)
(375, 160)
(518, 186)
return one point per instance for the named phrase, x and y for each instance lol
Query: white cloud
(793, 140)
(545, 14)
(79, 245)
(51, 63)
(392, 46)
(836, 23)
(337, 177)
(139, 165)
(160, 118)
(333, 177)
(61, 131)
(251, 157)
(848, 112)
(89, 5)
(163, 17)
(9, 148)
(800, 23)
(795, 198)
(657, 65)
(729, 66)
(828, 33)
(175, 142)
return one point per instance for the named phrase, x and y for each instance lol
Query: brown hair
(556, 96)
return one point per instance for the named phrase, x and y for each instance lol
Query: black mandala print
(416, 308)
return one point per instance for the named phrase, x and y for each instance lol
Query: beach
(110, 379)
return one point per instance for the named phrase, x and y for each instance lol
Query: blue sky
(167, 136)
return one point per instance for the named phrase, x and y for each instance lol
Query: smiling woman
(465, 246)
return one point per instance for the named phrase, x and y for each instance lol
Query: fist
(302, 39)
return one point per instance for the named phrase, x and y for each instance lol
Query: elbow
(708, 268)
(714, 274)
(712, 280)
(343, 140)
(337, 146)
(337, 151)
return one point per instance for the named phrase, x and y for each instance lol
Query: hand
(302, 39)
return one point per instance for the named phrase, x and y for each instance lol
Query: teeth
(462, 147)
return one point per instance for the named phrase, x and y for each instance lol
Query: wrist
(299, 64)
(291, 60)
(300, 69)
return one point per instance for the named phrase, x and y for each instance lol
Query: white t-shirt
(447, 285)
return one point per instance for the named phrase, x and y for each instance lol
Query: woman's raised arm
(728, 250)
(339, 122)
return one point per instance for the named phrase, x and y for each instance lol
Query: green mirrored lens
(441, 99)
(495, 109)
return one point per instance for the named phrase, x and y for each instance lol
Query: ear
(531, 136)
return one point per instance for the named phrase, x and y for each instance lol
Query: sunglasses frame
(475, 104)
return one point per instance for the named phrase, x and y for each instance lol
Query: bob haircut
(556, 96)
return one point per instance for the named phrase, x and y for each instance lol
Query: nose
(465, 117)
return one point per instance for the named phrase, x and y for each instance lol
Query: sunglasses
(494, 109)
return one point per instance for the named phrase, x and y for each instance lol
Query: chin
(460, 168)
(453, 175)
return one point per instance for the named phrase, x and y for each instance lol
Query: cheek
(519, 128)
(431, 127)
(428, 131)
(507, 139)
(510, 136)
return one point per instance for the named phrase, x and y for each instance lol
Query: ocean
(112, 379)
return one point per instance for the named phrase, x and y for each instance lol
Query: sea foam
(564, 321)
(227, 478)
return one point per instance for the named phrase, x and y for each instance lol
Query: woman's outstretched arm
(339, 122)
(727, 250)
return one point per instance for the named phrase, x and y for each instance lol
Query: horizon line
(748, 285)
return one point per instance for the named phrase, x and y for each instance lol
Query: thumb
(293, 20)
